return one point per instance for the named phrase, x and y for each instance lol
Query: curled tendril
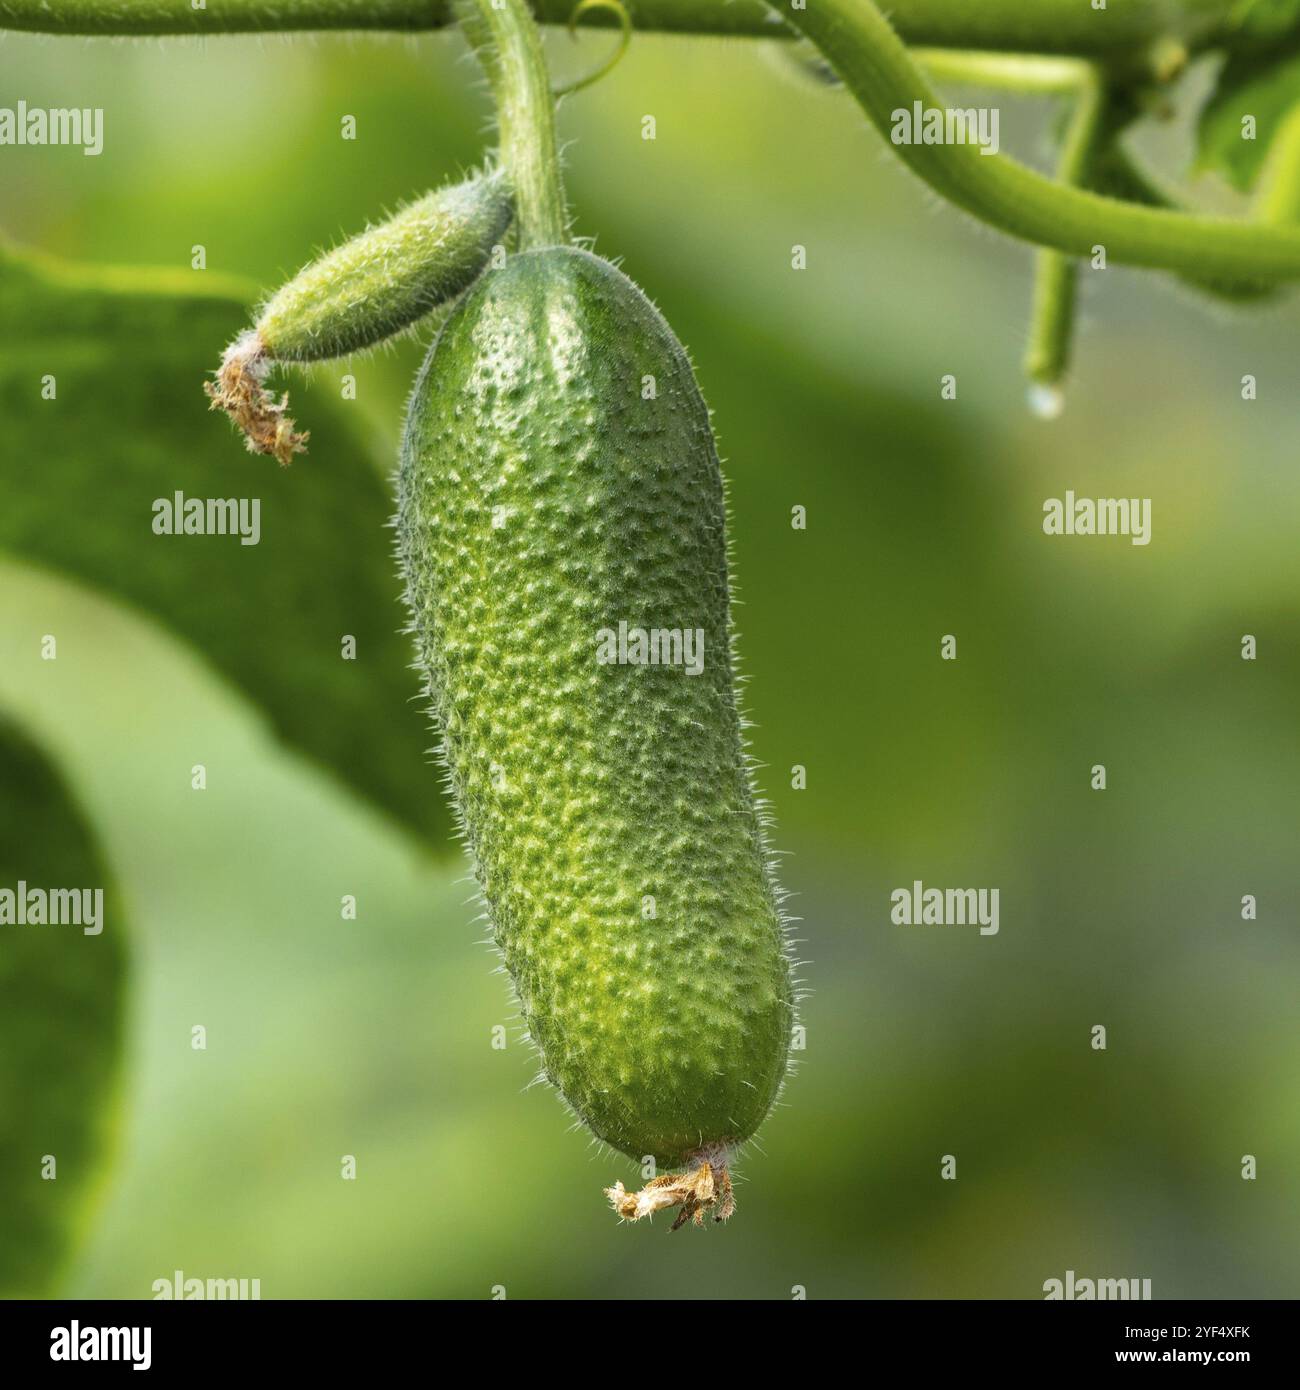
(625, 38)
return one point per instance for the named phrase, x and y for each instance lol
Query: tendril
(564, 89)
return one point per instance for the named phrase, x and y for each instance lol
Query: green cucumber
(375, 285)
(548, 494)
(386, 278)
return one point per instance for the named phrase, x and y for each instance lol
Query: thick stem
(869, 57)
(726, 17)
(1119, 174)
(505, 37)
(860, 44)
(1034, 26)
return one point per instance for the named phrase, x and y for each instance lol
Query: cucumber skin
(583, 787)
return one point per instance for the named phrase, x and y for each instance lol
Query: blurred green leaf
(1267, 19)
(1263, 85)
(128, 352)
(60, 1025)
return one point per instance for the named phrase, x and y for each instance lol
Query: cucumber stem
(506, 40)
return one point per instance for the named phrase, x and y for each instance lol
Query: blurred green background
(373, 1037)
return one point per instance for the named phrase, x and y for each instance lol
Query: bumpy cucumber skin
(385, 278)
(584, 788)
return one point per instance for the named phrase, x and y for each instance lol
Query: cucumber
(386, 278)
(547, 494)
(364, 292)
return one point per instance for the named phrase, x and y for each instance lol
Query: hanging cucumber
(562, 530)
(552, 507)
(562, 533)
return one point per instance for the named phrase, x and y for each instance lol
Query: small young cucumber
(381, 281)
(356, 296)
(559, 478)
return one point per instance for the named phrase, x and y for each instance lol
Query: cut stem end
(239, 390)
(705, 1188)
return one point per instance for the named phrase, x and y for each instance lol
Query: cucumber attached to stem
(375, 285)
(559, 488)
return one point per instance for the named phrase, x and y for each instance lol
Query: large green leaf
(128, 353)
(60, 1025)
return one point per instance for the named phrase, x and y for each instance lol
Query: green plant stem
(1056, 275)
(1052, 318)
(505, 38)
(871, 60)
(1012, 72)
(729, 17)
(1119, 173)
(869, 56)
(1036, 26)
